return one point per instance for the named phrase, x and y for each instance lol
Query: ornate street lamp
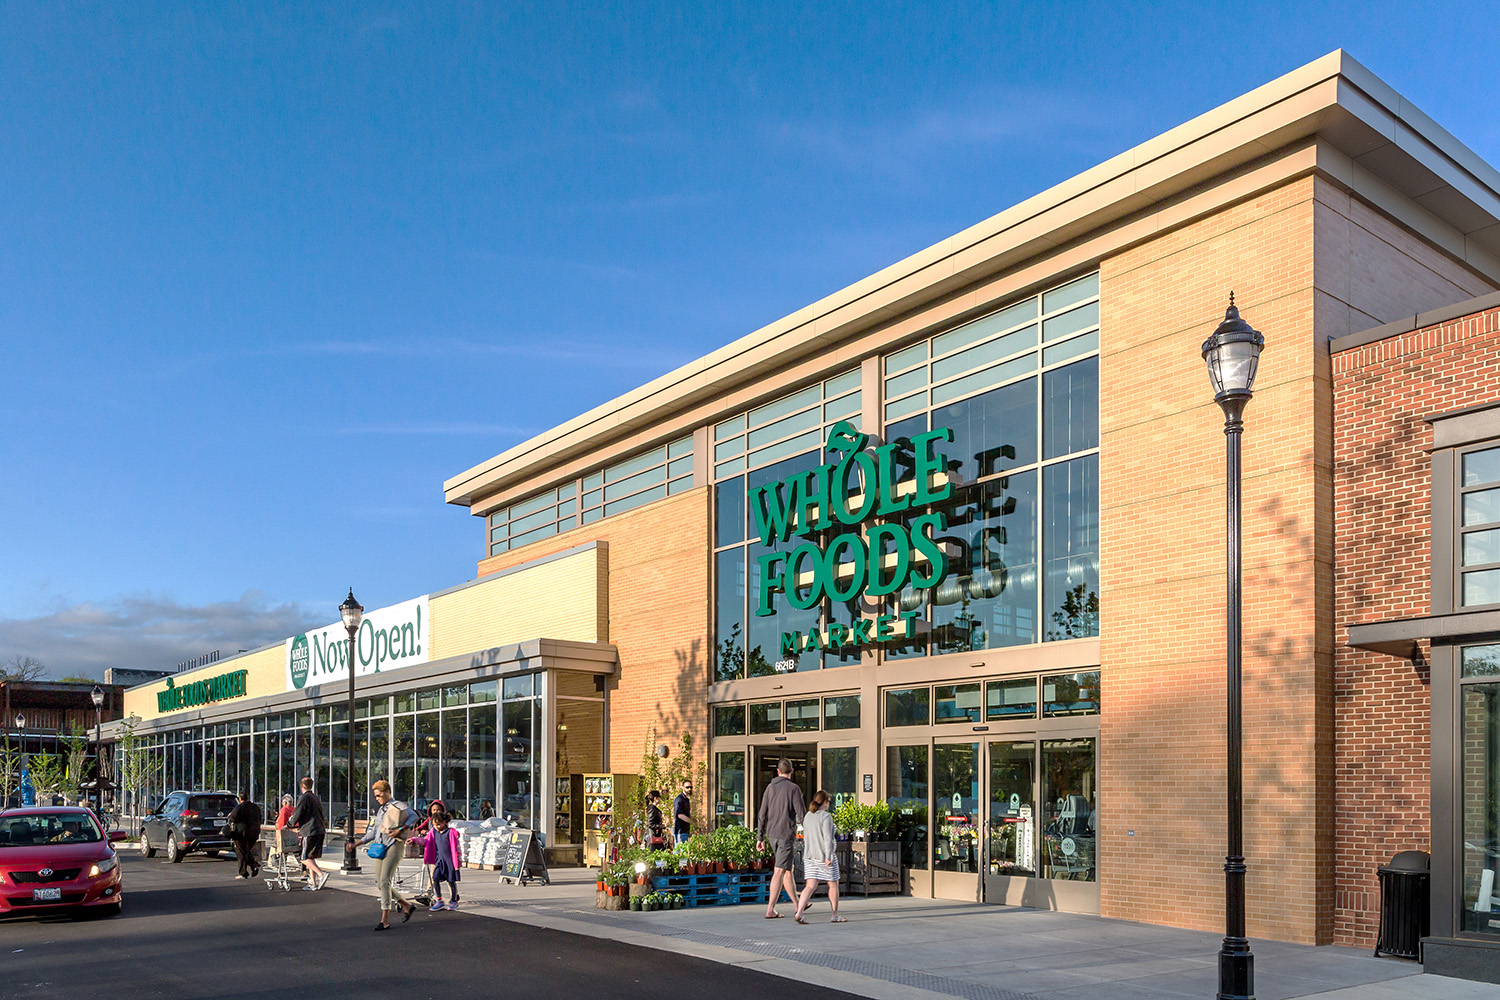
(97, 695)
(1232, 353)
(353, 614)
(21, 735)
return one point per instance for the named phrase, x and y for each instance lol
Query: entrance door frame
(958, 885)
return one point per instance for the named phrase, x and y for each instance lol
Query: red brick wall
(1382, 517)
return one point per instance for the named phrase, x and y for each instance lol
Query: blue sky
(270, 273)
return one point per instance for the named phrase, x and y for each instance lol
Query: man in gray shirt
(781, 809)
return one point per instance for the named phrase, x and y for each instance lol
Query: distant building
(128, 677)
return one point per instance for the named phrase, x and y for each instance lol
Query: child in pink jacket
(441, 850)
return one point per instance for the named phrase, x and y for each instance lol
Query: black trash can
(1404, 916)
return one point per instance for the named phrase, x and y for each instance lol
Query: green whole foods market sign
(204, 692)
(887, 557)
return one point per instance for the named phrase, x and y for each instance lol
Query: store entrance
(804, 758)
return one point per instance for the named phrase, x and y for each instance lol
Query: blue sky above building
(268, 275)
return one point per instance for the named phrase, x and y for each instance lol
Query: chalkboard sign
(523, 859)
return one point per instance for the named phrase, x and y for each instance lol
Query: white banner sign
(389, 638)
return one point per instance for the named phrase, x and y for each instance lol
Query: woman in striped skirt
(820, 856)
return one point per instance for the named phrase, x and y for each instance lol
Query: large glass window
(839, 774)
(1479, 541)
(1012, 812)
(1070, 797)
(1479, 790)
(955, 807)
(729, 771)
(754, 449)
(906, 792)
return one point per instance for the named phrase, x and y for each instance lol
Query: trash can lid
(1411, 861)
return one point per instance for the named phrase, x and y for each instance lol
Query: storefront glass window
(729, 579)
(455, 770)
(765, 718)
(729, 720)
(955, 807)
(1071, 694)
(519, 687)
(1481, 661)
(841, 712)
(406, 701)
(956, 703)
(1013, 824)
(404, 761)
(803, 716)
(455, 695)
(907, 707)
(730, 782)
(338, 779)
(1070, 799)
(729, 505)
(906, 792)
(1070, 409)
(1479, 783)
(839, 774)
(428, 699)
(989, 598)
(482, 763)
(428, 782)
(1010, 700)
(482, 691)
(1070, 549)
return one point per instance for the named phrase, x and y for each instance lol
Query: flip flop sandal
(774, 915)
(800, 919)
(839, 920)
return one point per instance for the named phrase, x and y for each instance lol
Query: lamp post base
(1236, 970)
(351, 857)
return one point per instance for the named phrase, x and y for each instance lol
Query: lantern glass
(351, 612)
(98, 696)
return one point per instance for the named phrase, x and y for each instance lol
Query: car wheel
(174, 853)
(146, 848)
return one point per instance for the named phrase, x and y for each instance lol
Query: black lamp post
(97, 695)
(352, 614)
(21, 734)
(1232, 354)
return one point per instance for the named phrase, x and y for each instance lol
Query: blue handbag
(376, 851)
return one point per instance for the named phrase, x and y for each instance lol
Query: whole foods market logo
(301, 659)
(896, 552)
(388, 638)
(204, 692)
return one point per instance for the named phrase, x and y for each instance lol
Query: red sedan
(57, 857)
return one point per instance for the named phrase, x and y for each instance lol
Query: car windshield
(48, 828)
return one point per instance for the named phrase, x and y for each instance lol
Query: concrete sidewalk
(898, 947)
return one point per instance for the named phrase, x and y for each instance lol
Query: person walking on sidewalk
(440, 848)
(389, 826)
(682, 813)
(243, 823)
(820, 857)
(781, 809)
(655, 825)
(311, 826)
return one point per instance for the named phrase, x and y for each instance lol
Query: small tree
(133, 764)
(10, 769)
(49, 773)
(75, 757)
(20, 668)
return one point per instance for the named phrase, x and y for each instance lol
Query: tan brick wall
(658, 578)
(1162, 555)
(1383, 510)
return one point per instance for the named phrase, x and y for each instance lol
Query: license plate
(220, 822)
(46, 895)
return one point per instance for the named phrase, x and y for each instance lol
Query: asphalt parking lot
(190, 930)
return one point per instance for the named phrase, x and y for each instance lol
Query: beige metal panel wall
(265, 674)
(559, 599)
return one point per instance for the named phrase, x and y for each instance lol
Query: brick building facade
(1411, 774)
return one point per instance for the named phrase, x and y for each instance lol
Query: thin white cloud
(148, 632)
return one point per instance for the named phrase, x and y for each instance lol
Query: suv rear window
(211, 805)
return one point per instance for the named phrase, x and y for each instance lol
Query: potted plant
(637, 903)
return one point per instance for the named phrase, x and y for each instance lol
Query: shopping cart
(413, 878)
(283, 866)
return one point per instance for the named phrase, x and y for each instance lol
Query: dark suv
(188, 821)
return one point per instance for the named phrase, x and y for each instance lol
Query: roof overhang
(1401, 636)
(1386, 150)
